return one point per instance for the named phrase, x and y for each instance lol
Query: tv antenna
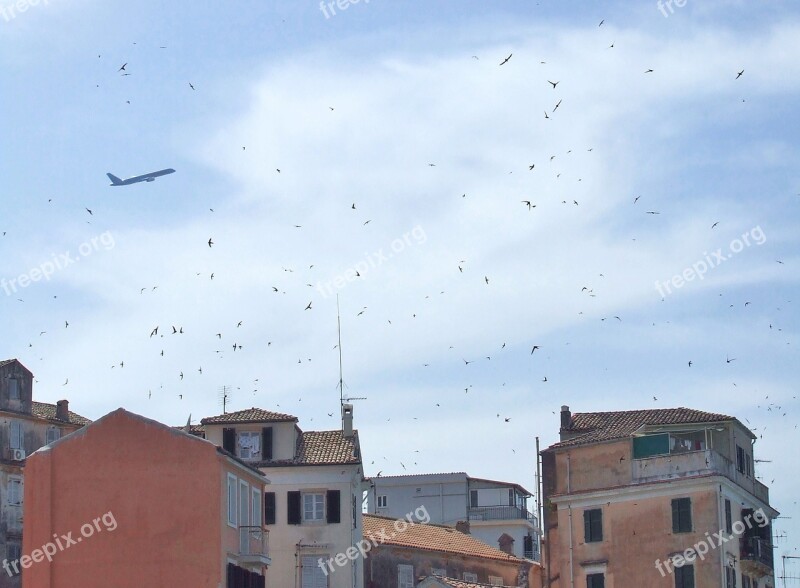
(224, 397)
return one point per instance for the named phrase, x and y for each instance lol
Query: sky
(615, 193)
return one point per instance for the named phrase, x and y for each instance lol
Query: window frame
(49, 436)
(589, 524)
(16, 483)
(252, 455)
(382, 501)
(680, 573)
(233, 501)
(322, 511)
(470, 577)
(593, 579)
(16, 435)
(403, 582)
(14, 389)
(677, 527)
(256, 510)
(314, 559)
(495, 581)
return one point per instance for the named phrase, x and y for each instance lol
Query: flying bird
(738, 75)
(554, 84)
(210, 242)
(506, 59)
(309, 306)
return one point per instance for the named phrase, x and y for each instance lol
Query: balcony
(756, 556)
(694, 463)
(501, 513)
(254, 546)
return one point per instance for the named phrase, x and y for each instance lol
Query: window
(441, 572)
(746, 582)
(511, 501)
(470, 577)
(728, 517)
(682, 515)
(382, 501)
(473, 498)
(744, 462)
(270, 512)
(312, 573)
(13, 389)
(53, 434)
(249, 445)
(593, 525)
(15, 492)
(313, 506)
(595, 581)
(405, 576)
(684, 576)
(257, 520)
(232, 520)
(13, 551)
(730, 577)
(15, 437)
(495, 581)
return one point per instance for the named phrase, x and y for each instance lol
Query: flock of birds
(158, 333)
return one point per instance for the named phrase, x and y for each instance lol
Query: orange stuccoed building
(129, 502)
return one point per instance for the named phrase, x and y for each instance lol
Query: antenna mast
(339, 329)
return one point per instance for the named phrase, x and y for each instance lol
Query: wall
(162, 488)
(444, 497)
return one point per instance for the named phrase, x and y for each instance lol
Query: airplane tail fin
(115, 181)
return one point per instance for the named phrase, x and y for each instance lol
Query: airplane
(115, 181)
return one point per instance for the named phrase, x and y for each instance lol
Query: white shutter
(312, 574)
(405, 576)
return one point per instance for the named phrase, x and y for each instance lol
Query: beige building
(658, 498)
(313, 506)
(25, 426)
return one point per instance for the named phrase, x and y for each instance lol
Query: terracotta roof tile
(250, 415)
(594, 427)
(48, 411)
(456, 583)
(322, 448)
(432, 538)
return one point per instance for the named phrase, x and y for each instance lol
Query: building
(313, 506)
(497, 511)
(129, 502)
(25, 426)
(402, 552)
(644, 497)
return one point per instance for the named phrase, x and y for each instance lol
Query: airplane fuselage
(115, 181)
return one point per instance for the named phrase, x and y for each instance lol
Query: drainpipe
(571, 572)
(720, 503)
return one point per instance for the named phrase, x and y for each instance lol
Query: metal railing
(253, 540)
(758, 550)
(500, 513)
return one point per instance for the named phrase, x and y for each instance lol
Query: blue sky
(353, 109)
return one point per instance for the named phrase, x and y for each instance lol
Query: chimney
(566, 417)
(347, 420)
(462, 527)
(62, 410)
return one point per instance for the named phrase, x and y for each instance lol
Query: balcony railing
(253, 544)
(755, 549)
(500, 513)
(692, 463)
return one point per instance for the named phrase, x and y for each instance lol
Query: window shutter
(266, 443)
(293, 516)
(269, 508)
(229, 440)
(334, 505)
(587, 526)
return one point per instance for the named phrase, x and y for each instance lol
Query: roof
(595, 427)
(250, 415)
(454, 583)
(322, 448)
(6, 361)
(429, 537)
(47, 411)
